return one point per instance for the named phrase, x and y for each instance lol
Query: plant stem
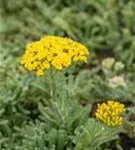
(53, 87)
(54, 102)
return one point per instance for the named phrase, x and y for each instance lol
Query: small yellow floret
(53, 51)
(110, 113)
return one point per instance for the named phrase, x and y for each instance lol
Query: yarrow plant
(65, 119)
(53, 51)
(110, 113)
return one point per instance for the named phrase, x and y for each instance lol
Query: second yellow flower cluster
(110, 113)
(53, 51)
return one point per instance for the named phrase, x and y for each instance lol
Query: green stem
(53, 88)
(53, 99)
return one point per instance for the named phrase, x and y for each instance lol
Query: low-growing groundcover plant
(105, 27)
(63, 123)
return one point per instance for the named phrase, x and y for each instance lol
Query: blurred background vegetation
(106, 27)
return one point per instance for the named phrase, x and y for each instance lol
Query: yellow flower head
(110, 113)
(53, 51)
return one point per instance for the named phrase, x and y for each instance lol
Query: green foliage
(29, 119)
(87, 137)
(92, 135)
(89, 86)
(38, 138)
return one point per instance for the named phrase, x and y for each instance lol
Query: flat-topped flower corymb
(53, 51)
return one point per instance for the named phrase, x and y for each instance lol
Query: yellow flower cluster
(110, 113)
(53, 51)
